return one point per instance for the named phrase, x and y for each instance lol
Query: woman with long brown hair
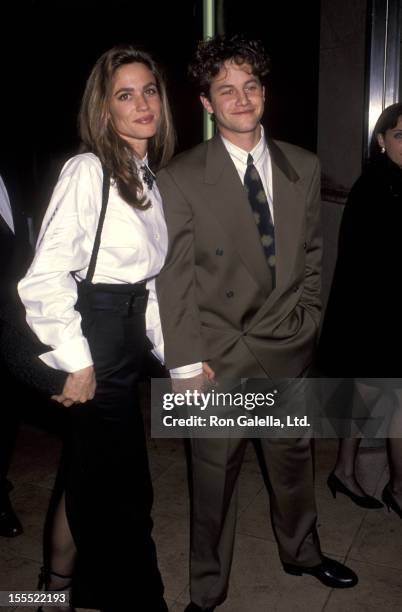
(89, 294)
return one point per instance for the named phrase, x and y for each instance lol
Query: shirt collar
(141, 162)
(241, 155)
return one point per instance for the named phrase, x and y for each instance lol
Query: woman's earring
(382, 149)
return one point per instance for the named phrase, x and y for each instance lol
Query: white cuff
(70, 356)
(187, 371)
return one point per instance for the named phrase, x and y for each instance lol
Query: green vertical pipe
(208, 22)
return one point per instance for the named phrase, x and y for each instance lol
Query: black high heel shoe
(44, 583)
(364, 501)
(390, 501)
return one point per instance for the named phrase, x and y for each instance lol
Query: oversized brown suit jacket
(217, 304)
(215, 293)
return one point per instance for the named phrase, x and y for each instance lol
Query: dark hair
(386, 121)
(99, 136)
(211, 54)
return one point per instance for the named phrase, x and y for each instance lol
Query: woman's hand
(79, 387)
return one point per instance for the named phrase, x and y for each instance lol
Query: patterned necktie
(262, 215)
(147, 176)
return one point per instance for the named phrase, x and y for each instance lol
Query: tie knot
(250, 160)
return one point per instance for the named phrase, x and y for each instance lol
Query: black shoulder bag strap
(95, 249)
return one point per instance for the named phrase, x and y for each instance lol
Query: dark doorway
(291, 35)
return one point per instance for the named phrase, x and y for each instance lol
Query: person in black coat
(14, 255)
(362, 328)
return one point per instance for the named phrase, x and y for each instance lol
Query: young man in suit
(240, 298)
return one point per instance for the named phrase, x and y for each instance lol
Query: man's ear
(206, 104)
(263, 93)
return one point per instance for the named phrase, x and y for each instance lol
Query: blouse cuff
(71, 356)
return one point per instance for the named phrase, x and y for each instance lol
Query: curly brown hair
(212, 53)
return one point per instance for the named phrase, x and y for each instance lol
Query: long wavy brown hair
(99, 136)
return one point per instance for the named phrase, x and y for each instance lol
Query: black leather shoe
(10, 526)
(331, 573)
(192, 607)
(390, 501)
(364, 501)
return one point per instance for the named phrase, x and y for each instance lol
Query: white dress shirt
(262, 161)
(133, 248)
(5, 206)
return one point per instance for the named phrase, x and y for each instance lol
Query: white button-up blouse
(133, 248)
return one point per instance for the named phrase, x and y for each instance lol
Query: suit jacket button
(296, 289)
(229, 294)
(219, 251)
(305, 245)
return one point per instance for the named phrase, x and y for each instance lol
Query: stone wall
(341, 92)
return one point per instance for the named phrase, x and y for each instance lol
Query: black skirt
(108, 485)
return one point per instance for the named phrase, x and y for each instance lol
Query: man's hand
(209, 373)
(195, 383)
(79, 388)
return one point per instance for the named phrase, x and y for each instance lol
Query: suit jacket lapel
(288, 212)
(229, 202)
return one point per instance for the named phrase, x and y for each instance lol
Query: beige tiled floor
(369, 541)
